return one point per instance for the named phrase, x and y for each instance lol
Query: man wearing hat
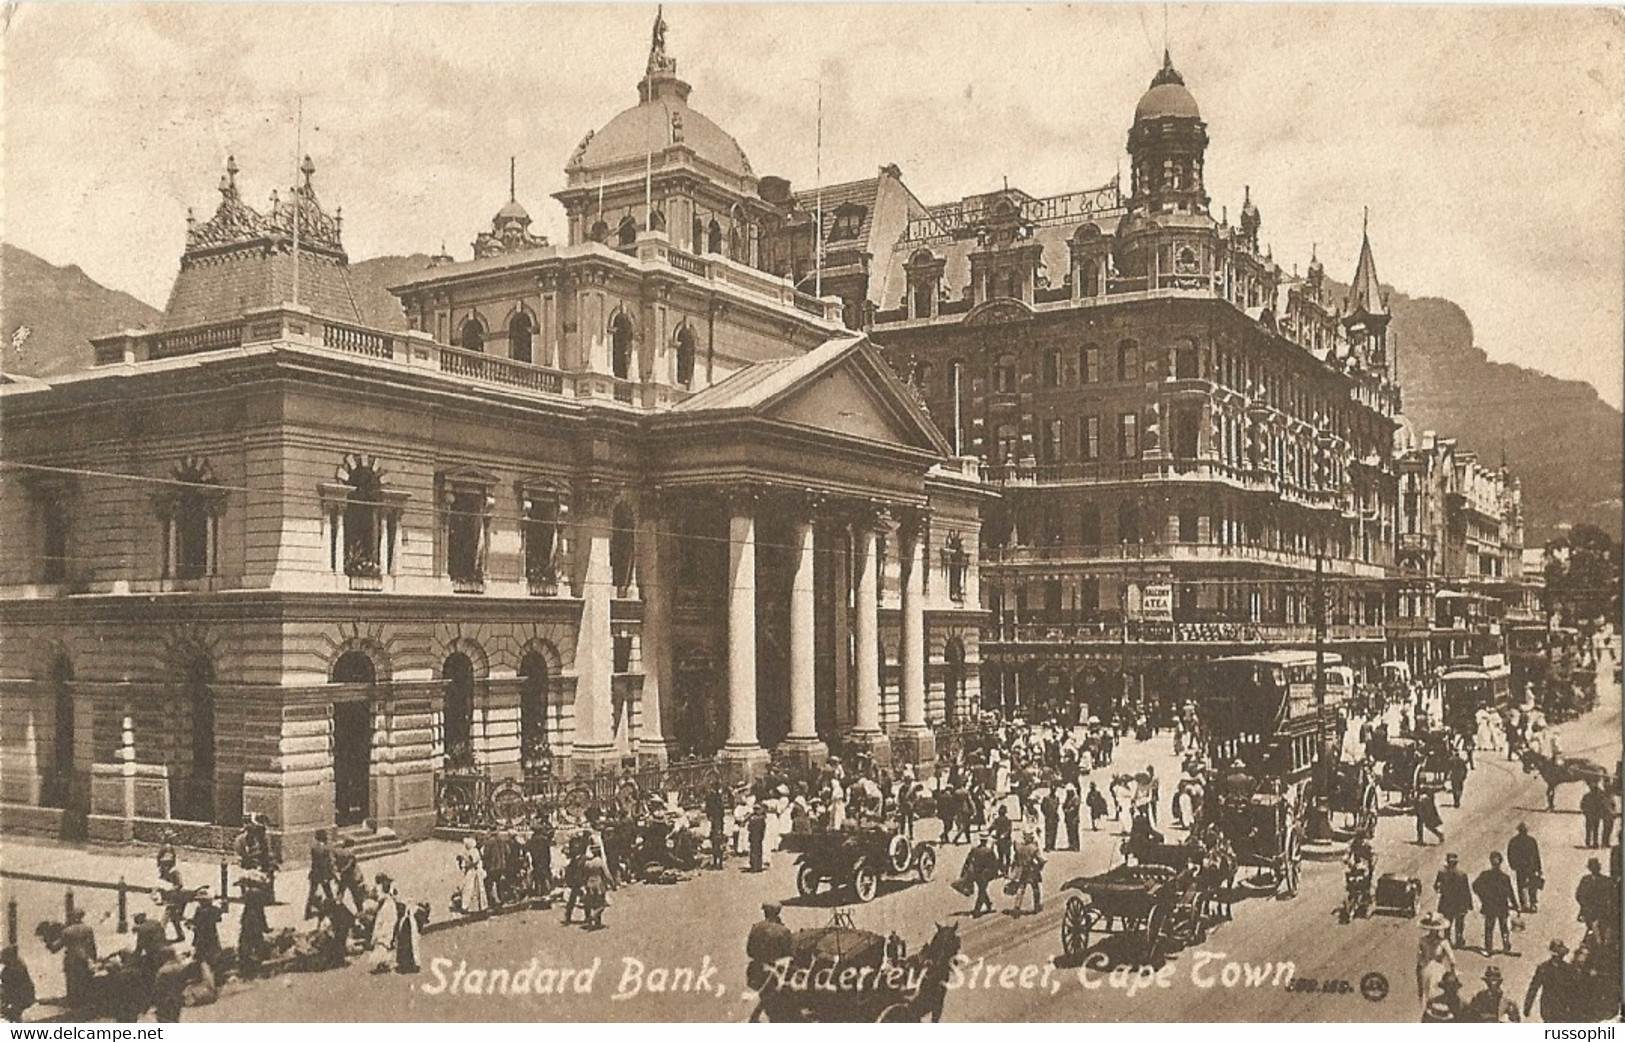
(1455, 897)
(769, 941)
(205, 923)
(1496, 900)
(1491, 1006)
(1596, 896)
(1523, 857)
(1553, 982)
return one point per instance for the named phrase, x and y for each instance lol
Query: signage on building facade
(1157, 603)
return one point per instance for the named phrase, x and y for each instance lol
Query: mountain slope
(62, 308)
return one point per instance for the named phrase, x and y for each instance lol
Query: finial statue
(307, 168)
(658, 62)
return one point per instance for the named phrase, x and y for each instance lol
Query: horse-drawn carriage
(1352, 793)
(860, 857)
(1265, 829)
(1410, 766)
(1163, 906)
(838, 973)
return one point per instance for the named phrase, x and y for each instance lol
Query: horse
(935, 962)
(1216, 874)
(1555, 771)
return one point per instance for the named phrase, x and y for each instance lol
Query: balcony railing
(1142, 631)
(500, 370)
(1163, 553)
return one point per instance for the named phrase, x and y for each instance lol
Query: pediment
(843, 400)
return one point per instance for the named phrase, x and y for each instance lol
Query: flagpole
(298, 146)
(818, 177)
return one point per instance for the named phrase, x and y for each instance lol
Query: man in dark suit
(1523, 857)
(1455, 897)
(1496, 900)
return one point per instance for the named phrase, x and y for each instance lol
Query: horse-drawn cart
(1162, 905)
(861, 857)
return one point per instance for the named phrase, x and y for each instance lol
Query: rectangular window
(1052, 368)
(539, 531)
(465, 530)
(621, 653)
(1091, 365)
(1128, 361)
(1053, 433)
(54, 548)
(1128, 435)
(1090, 440)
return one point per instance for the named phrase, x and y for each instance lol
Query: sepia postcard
(860, 513)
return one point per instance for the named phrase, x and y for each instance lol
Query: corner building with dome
(626, 504)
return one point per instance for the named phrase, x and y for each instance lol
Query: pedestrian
(1496, 899)
(1153, 791)
(539, 852)
(494, 853)
(1458, 777)
(1096, 801)
(174, 901)
(469, 898)
(947, 804)
(347, 868)
(205, 923)
(320, 874)
(769, 942)
(1455, 897)
(1491, 1006)
(1070, 807)
(168, 859)
(907, 799)
(1523, 857)
(1434, 959)
(1591, 807)
(595, 885)
(1427, 817)
(1596, 897)
(576, 855)
(169, 986)
(1608, 807)
(408, 927)
(1553, 984)
(1028, 872)
(150, 941)
(1003, 832)
(16, 985)
(251, 924)
(756, 830)
(340, 924)
(981, 868)
(1050, 808)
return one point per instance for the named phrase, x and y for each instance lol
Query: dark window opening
(1128, 361)
(685, 357)
(465, 528)
(191, 523)
(620, 336)
(472, 336)
(521, 335)
(621, 542)
(539, 530)
(363, 515)
(54, 548)
(533, 743)
(458, 715)
(627, 233)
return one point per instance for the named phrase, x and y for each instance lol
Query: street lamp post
(1320, 817)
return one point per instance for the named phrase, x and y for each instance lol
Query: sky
(1487, 142)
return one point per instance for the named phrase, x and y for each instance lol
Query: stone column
(915, 741)
(743, 751)
(866, 723)
(802, 741)
(594, 745)
(652, 750)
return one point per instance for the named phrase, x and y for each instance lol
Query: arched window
(190, 521)
(533, 743)
(713, 237)
(521, 334)
(458, 725)
(199, 795)
(621, 541)
(620, 344)
(600, 231)
(363, 516)
(1128, 522)
(627, 233)
(736, 244)
(685, 357)
(59, 779)
(472, 335)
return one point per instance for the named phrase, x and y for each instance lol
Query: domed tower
(663, 166)
(1167, 143)
(1167, 236)
(510, 228)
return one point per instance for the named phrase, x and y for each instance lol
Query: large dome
(662, 120)
(1167, 97)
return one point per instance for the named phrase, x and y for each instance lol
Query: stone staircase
(370, 844)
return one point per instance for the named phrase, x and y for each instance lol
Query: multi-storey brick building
(1180, 428)
(601, 504)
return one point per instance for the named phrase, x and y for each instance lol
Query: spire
(1167, 74)
(1365, 292)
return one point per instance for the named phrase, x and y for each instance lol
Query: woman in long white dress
(384, 925)
(471, 893)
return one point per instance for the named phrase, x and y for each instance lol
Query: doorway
(352, 762)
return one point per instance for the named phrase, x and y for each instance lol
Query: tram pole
(1320, 816)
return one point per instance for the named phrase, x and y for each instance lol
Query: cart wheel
(865, 881)
(897, 854)
(925, 862)
(1154, 932)
(897, 1013)
(1291, 861)
(807, 880)
(1075, 927)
